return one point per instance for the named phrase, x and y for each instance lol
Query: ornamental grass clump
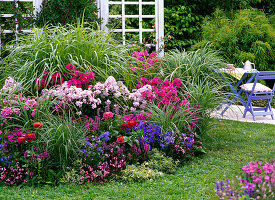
(197, 70)
(64, 138)
(51, 48)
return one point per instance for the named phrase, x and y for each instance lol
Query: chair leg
(247, 108)
(252, 111)
(269, 106)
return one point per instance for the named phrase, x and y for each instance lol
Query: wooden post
(103, 13)
(140, 21)
(159, 25)
(37, 6)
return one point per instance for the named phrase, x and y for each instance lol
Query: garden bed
(230, 145)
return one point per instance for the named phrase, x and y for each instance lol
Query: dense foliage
(24, 15)
(62, 12)
(247, 36)
(181, 26)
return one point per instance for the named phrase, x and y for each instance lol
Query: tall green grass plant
(198, 71)
(50, 49)
(64, 138)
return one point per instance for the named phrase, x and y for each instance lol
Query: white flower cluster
(101, 94)
(68, 93)
(138, 99)
(10, 86)
(111, 87)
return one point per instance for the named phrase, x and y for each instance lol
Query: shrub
(139, 173)
(182, 26)
(64, 12)
(248, 35)
(157, 161)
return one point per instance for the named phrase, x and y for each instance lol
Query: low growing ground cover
(230, 145)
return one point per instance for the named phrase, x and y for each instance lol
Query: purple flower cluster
(154, 135)
(37, 154)
(224, 188)
(140, 150)
(94, 144)
(92, 124)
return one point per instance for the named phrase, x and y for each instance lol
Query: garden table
(239, 74)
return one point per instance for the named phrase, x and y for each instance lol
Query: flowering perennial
(257, 182)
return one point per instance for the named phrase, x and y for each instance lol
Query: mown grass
(229, 144)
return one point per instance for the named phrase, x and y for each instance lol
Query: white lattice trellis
(36, 6)
(103, 7)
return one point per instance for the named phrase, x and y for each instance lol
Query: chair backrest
(266, 75)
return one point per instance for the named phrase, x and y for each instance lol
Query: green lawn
(230, 145)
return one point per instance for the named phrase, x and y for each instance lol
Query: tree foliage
(63, 12)
(247, 36)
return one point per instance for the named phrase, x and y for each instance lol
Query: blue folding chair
(259, 91)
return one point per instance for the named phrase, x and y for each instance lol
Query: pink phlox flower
(156, 81)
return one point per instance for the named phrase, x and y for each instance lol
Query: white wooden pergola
(103, 13)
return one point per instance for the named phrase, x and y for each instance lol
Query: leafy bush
(19, 18)
(247, 36)
(64, 12)
(139, 173)
(159, 162)
(52, 48)
(182, 26)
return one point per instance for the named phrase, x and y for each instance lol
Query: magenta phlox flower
(257, 178)
(166, 83)
(177, 83)
(78, 78)
(269, 168)
(156, 81)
